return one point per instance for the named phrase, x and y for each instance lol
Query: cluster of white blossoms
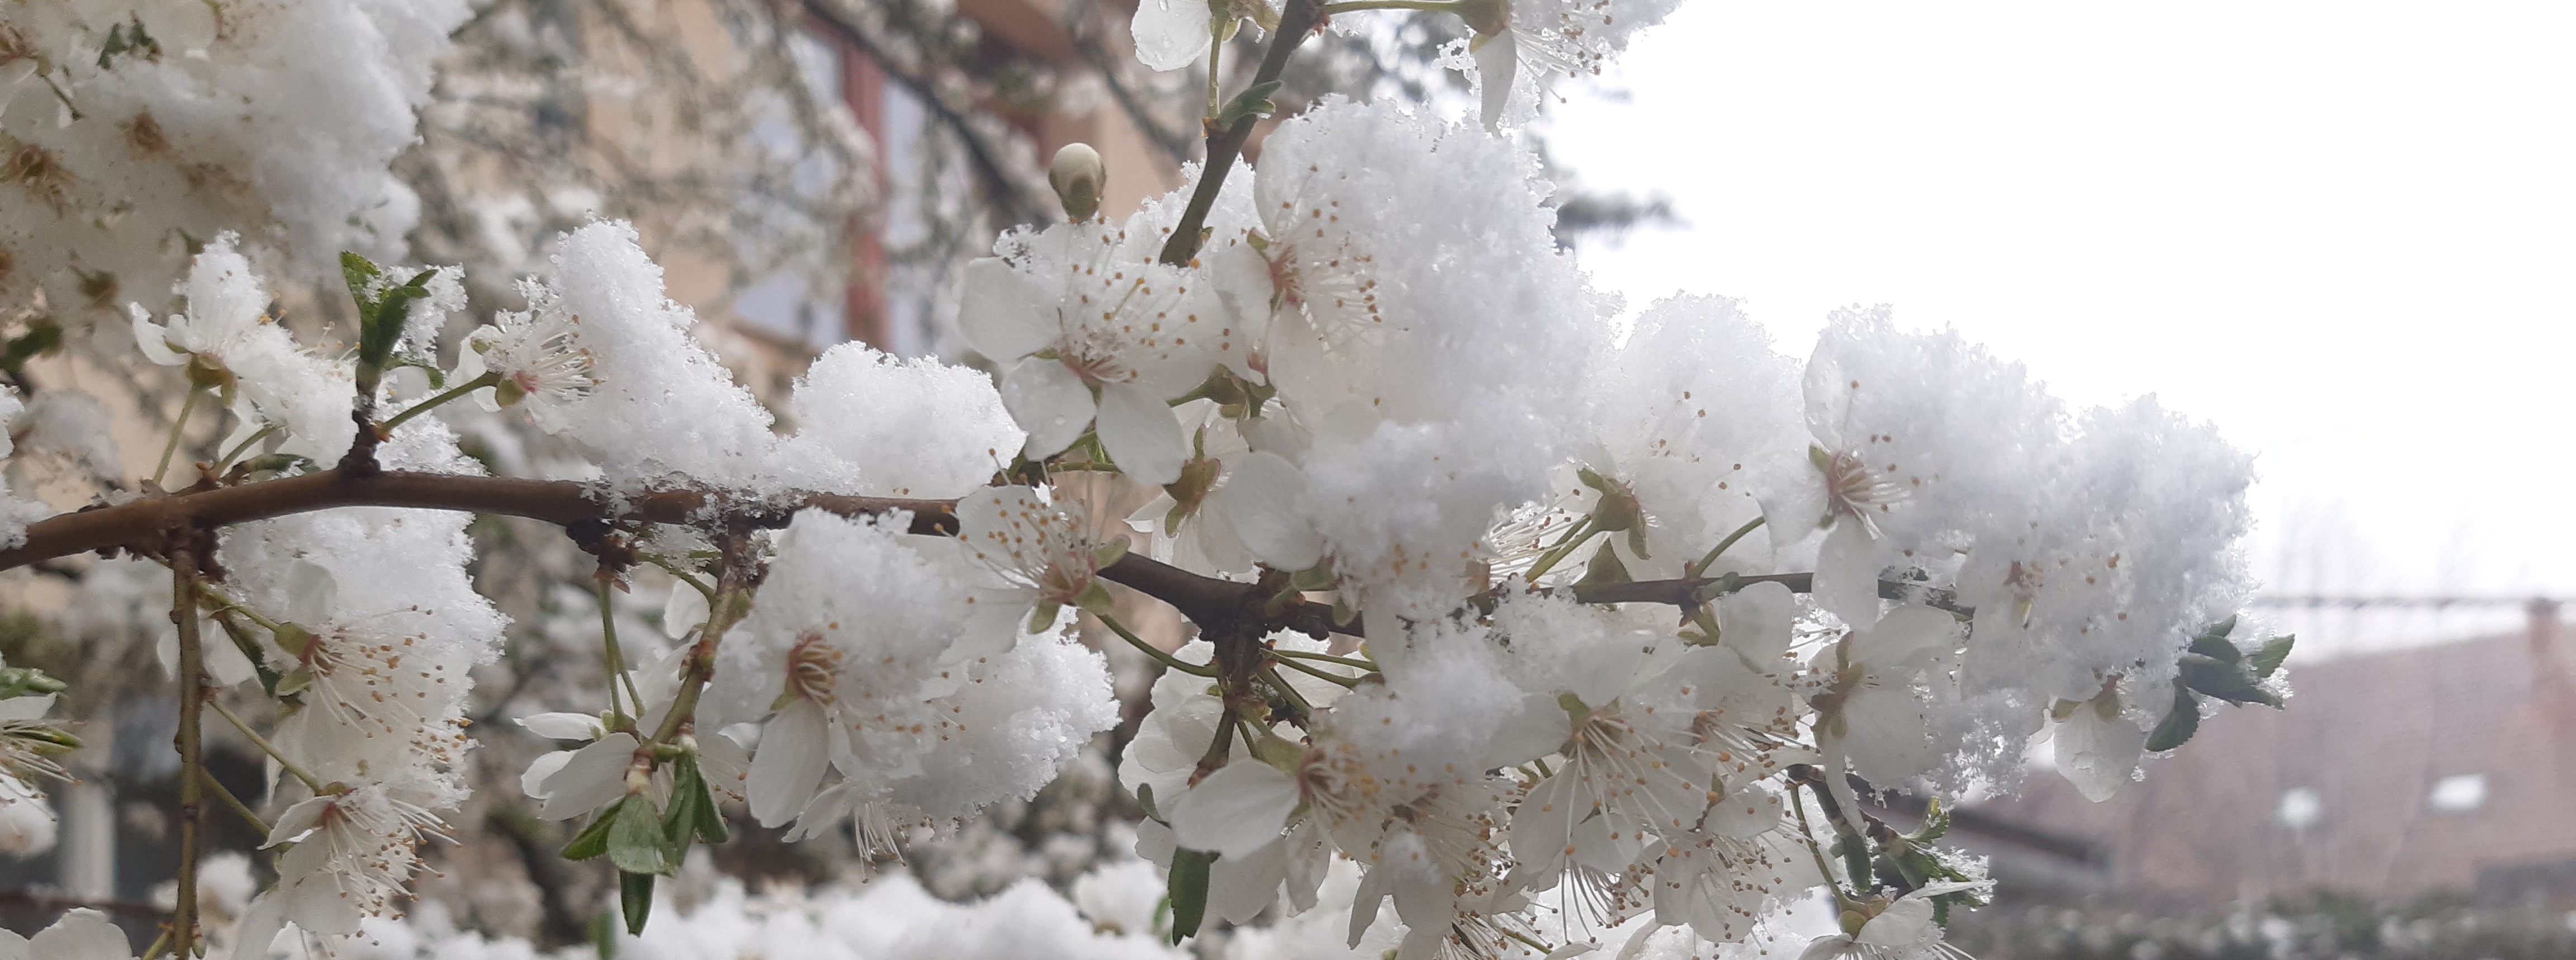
(132, 130)
(1521, 630)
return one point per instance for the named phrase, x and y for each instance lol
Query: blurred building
(2394, 776)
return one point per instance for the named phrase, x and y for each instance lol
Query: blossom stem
(1807, 832)
(617, 657)
(489, 378)
(1574, 539)
(1167, 660)
(1216, 52)
(160, 944)
(1697, 568)
(177, 427)
(1347, 682)
(233, 803)
(684, 575)
(1325, 658)
(311, 782)
(1295, 699)
(191, 738)
(243, 447)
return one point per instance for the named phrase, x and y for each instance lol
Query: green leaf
(635, 896)
(2178, 725)
(1189, 891)
(22, 681)
(1254, 101)
(1145, 799)
(593, 840)
(635, 840)
(360, 272)
(693, 809)
(603, 935)
(2267, 661)
(2216, 648)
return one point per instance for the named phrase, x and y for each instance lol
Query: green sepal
(2178, 726)
(293, 682)
(1189, 891)
(1317, 577)
(1606, 569)
(2231, 682)
(636, 843)
(603, 935)
(593, 839)
(2267, 661)
(1145, 799)
(1095, 599)
(1042, 617)
(1108, 553)
(635, 897)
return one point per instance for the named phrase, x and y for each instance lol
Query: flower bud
(1078, 177)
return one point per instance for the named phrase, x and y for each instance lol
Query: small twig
(192, 694)
(1223, 146)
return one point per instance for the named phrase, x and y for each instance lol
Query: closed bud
(1078, 176)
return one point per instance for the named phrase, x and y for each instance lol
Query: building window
(2300, 808)
(2460, 793)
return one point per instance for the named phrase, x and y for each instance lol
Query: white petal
(152, 339)
(1497, 60)
(26, 708)
(1171, 34)
(1910, 635)
(2098, 754)
(595, 776)
(1538, 730)
(260, 927)
(1141, 433)
(1906, 922)
(1235, 810)
(533, 781)
(12, 946)
(1847, 574)
(564, 726)
(1049, 402)
(312, 593)
(226, 665)
(1003, 313)
(1260, 500)
(1755, 622)
(684, 611)
(789, 765)
(82, 934)
(1240, 888)
(297, 821)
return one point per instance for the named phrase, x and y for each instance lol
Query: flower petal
(1141, 433)
(1003, 313)
(564, 726)
(1235, 810)
(1260, 500)
(1171, 34)
(1050, 403)
(1498, 59)
(595, 776)
(154, 341)
(789, 765)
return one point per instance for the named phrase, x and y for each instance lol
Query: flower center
(813, 669)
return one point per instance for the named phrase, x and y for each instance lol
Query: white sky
(2345, 232)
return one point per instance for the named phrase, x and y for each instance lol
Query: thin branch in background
(1013, 199)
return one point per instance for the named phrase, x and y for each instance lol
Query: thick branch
(141, 524)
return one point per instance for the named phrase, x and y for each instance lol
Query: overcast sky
(2344, 232)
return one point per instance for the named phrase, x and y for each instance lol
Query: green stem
(240, 448)
(1216, 50)
(1574, 540)
(685, 576)
(487, 379)
(1325, 658)
(1808, 831)
(1702, 566)
(1294, 698)
(700, 663)
(1150, 650)
(239, 808)
(311, 782)
(1347, 682)
(191, 738)
(223, 603)
(186, 407)
(160, 945)
(617, 656)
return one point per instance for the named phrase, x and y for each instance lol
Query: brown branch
(1295, 22)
